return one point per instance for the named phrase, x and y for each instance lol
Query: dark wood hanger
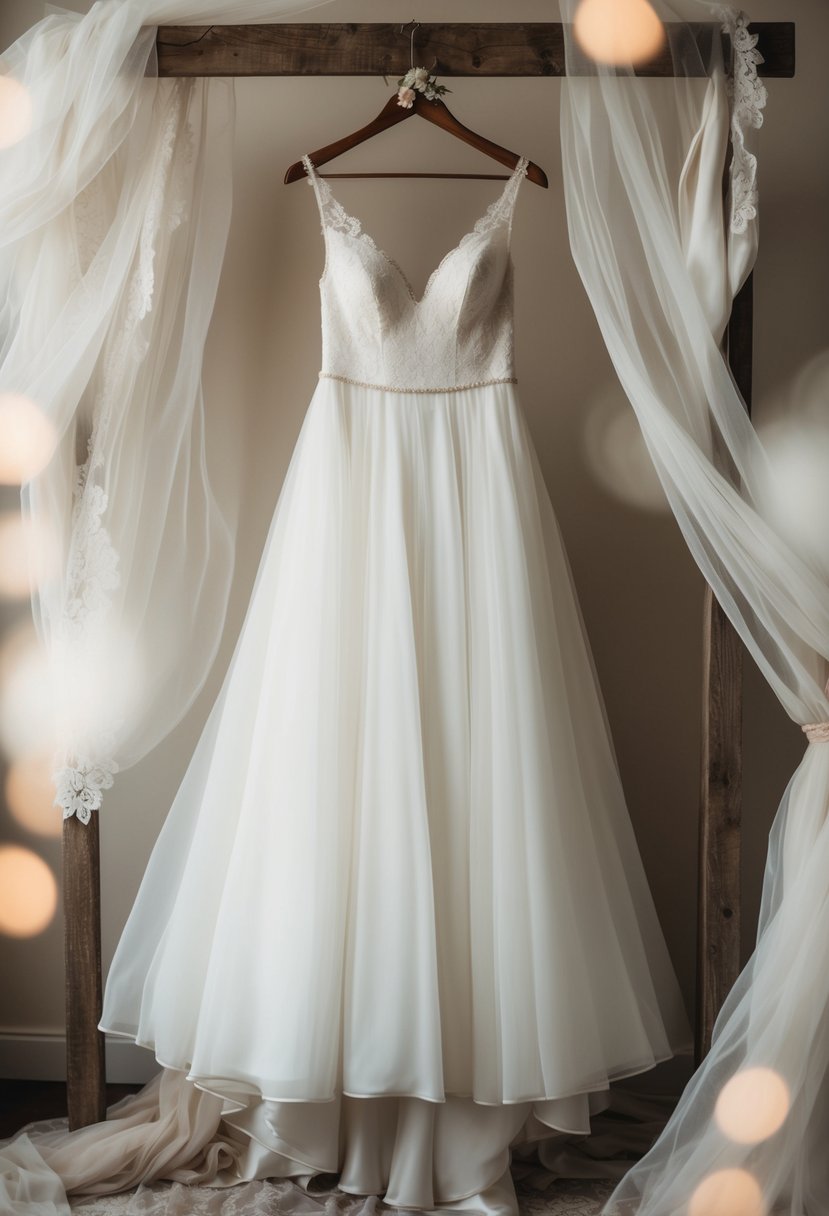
(434, 111)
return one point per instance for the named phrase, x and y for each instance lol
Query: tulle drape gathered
(114, 213)
(659, 268)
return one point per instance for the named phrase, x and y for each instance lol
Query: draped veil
(114, 212)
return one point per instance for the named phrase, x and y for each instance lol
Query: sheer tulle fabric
(114, 213)
(641, 234)
(452, 867)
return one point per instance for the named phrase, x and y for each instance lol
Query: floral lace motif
(375, 331)
(748, 98)
(80, 787)
(93, 562)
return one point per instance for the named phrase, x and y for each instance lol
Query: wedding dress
(396, 921)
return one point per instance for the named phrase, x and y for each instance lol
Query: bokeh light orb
(27, 439)
(616, 454)
(27, 723)
(753, 1105)
(28, 892)
(15, 111)
(618, 31)
(30, 795)
(733, 1192)
(14, 565)
(793, 425)
(99, 679)
(26, 555)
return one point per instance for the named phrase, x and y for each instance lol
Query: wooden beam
(719, 919)
(85, 1065)
(363, 49)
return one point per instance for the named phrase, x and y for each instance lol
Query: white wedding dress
(396, 920)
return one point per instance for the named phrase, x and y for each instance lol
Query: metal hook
(415, 26)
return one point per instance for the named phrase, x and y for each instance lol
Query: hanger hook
(415, 26)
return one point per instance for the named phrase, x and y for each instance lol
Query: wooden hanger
(434, 111)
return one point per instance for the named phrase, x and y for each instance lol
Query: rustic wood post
(719, 919)
(85, 1065)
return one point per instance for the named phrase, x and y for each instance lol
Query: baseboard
(28, 1056)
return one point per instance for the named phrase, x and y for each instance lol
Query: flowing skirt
(396, 919)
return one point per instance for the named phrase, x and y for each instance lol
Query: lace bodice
(376, 332)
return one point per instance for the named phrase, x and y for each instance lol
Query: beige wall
(640, 592)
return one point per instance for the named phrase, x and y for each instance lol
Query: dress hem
(259, 1096)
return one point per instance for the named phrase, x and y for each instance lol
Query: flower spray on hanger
(418, 80)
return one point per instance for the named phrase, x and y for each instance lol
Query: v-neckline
(353, 226)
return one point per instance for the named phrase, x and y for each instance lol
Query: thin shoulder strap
(500, 210)
(332, 213)
(505, 204)
(322, 191)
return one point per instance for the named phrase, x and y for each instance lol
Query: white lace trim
(335, 217)
(162, 199)
(92, 571)
(748, 98)
(393, 388)
(80, 785)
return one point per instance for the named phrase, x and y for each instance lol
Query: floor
(22, 1102)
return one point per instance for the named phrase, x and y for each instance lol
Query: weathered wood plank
(85, 1065)
(718, 949)
(719, 919)
(363, 49)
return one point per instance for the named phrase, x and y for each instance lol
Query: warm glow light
(753, 1105)
(30, 796)
(728, 1193)
(70, 697)
(793, 424)
(618, 31)
(17, 565)
(15, 111)
(28, 892)
(617, 455)
(26, 695)
(98, 680)
(27, 439)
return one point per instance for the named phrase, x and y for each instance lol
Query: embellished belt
(391, 388)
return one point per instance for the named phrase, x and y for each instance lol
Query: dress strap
(332, 213)
(500, 210)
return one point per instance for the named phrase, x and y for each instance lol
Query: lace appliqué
(93, 563)
(167, 205)
(92, 571)
(335, 216)
(80, 787)
(748, 98)
(375, 330)
(92, 577)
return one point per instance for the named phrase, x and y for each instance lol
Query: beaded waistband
(389, 388)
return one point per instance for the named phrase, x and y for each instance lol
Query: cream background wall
(640, 592)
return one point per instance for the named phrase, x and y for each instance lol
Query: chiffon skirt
(396, 919)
